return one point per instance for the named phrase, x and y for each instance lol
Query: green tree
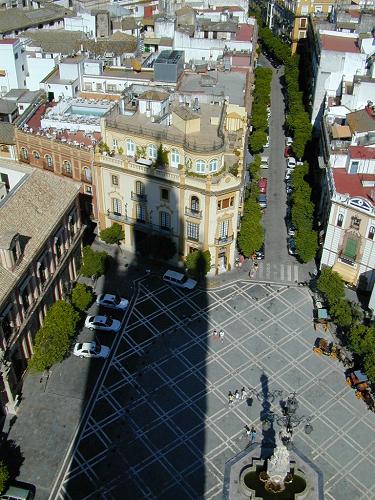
(53, 339)
(4, 476)
(251, 236)
(362, 339)
(81, 296)
(257, 141)
(198, 263)
(93, 263)
(113, 234)
(331, 286)
(369, 365)
(306, 245)
(161, 157)
(342, 313)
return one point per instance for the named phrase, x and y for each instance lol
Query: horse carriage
(359, 382)
(325, 348)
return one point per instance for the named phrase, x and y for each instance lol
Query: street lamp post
(288, 420)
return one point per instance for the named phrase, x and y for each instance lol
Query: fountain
(278, 469)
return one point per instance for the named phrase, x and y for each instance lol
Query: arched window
(194, 204)
(49, 161)
(175, 158)
(116, 206)
(213, 165)
(200, 165)
(340, 220)
(139, 188)
(24, 153)
(152, 152)
(130, 147)
(67, 168)
(36, 155)
(86, 174)
(371, 232)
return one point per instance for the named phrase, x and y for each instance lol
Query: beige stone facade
(196, 198)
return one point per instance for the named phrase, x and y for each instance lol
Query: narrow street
(278, 265)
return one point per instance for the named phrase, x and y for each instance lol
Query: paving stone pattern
(161, 427)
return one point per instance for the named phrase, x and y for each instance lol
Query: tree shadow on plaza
(142, 433)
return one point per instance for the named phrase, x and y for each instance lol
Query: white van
(264, 162)
(179, 279)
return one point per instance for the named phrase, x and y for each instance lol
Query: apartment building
(48, 137)
(13, 67)
(40, 248)
(347, 209)
(195, 197)
(303, 8)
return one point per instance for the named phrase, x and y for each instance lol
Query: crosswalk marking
(277, 272)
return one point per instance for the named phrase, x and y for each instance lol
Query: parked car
(291, 229)
(105, 323)
(264, 162)
(291, 162)
(179, 279)
(262, 185)
(259, 255)
(289, 189)
(91, 350)
(112, 301)
(288, 174)
(292, 246)
(262, 200)
(288, 141)
(287, 152)
(267, 145)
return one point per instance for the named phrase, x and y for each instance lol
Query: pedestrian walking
(247, 430)
(253, 433)
(230, 398)
(243, 393)
(215, 335)
(237, 395)
(221, 335)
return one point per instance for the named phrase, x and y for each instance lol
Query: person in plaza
(215, 334)
(247, 430)
(253, 434)
(221, 335)
(237, 395)
(243, 393)
(230, 398)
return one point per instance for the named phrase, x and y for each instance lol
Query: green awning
(350, 248)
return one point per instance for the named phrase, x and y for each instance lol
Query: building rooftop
(352, 183)
(244, 33)
(231, 84)
(154, 95)
(7, 107)
(56, 41)
(9, 41)
(7, 135)
(20, 19)
(362, 120)
(339, 43)
(362, 152)
(222, 27)
(33, 209)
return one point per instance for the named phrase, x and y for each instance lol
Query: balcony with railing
(347, 259)
(190, 237)
(138, 197)
(197, 214)
(138, 223)
(224, 240)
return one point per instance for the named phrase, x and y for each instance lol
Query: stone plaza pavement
(160, 426)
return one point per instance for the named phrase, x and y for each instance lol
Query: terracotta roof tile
(339, 43)
(362, 152)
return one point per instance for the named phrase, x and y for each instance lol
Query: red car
(262, 184)
(288, 152)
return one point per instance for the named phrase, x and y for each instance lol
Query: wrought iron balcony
(197, 214)
(192, 238)
(138, 197)
(224, 240)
